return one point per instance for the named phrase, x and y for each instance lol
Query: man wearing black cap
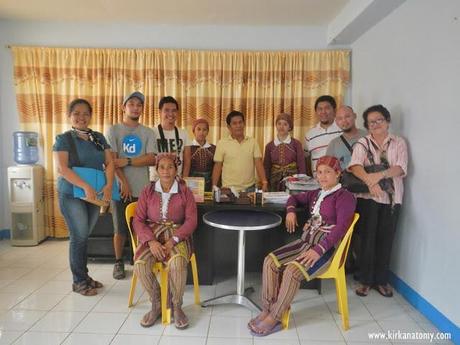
(132, 146)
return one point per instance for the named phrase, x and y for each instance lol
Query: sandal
(94, 283)
(84, 289)
(149, 319)
(384, 290)
(180, 319)
(256, 320)
(363, 290)
(264, 332)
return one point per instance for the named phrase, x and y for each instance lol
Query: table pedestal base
(243, 300)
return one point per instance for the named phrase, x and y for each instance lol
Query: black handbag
(355, 184)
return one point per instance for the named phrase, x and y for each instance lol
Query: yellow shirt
(238, 161)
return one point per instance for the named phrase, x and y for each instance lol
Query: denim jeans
(80, 217)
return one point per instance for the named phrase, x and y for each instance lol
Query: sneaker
(119, 270)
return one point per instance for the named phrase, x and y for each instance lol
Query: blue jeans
(80, 217)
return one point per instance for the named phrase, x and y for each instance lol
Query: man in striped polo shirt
(318, 138)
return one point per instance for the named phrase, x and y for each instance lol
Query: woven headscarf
(329, 161)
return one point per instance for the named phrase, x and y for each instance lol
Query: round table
(241, 221)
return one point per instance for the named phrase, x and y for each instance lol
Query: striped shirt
(397, 156)
(317, 139)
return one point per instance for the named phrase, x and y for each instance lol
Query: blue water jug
(25, 147)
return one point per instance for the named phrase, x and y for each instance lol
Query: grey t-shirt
(338, 149)
(132, 142)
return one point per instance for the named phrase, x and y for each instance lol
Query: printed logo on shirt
(131, 145)
(171, 145)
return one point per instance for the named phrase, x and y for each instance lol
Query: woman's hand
(90, 193)
(291, 222)
(107, 193)
(376, 191)
(125, 192)
(373, 178)
(308, 258)
(158, 251)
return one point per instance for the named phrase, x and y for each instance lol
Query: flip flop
(151, 323)
(385, 291)
(363, 290)
(276, 328)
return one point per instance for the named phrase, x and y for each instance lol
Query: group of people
(166, 215)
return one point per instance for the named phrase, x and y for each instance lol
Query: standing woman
(202, 153)
(81, 147)
(283, 156)
(379, 209)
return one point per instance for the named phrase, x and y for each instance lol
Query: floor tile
(198, 326)
(104, 323)
(185, 340)
(8, 337)
(271, 341)
(132, 326)
(77, 302)
(41, 338)
(88, 339)
(54, 286)
(382, 311)
(40, 302)
(19, 320)
(226, 326)
(229, 341)
(359, 330)
(59, 321)
(9, 299)
(137, 339)
(231, 310)
(318, 329)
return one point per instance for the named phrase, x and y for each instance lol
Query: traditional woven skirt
(314, 231)
(278, 173)
(163, 231)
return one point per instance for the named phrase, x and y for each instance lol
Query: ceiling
(177, 12)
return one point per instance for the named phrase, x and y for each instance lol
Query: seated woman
(331, 208)
(202, 153)
(165, 219)
(85, 148)
(283, 156)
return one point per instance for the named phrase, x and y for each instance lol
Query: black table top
(242, 219)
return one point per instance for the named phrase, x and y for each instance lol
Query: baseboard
(5, 234)
(426, 308)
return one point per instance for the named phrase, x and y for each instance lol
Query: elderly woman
(379, 209)
(85, 148)
(331, 209)
(165, 219)
(202, 154)
(283, 156)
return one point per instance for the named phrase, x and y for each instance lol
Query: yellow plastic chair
(158, 268)
(336, 271)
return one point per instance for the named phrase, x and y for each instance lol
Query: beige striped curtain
(206, 84)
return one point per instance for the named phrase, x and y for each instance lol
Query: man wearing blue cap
(132, 146)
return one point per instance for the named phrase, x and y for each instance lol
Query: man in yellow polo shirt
(236, 157)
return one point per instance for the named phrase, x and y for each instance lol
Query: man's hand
(376, 191)
(373, 178)
(107, 193)
(125, 192)
(120, 162)
(308, 258)
(291, 222)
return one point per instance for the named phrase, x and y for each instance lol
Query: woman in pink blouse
(379, 209)
(165, 219)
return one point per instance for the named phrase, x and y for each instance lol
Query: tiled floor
(38, 307)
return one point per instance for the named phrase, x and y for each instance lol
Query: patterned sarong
(278, 173)
(313, 232)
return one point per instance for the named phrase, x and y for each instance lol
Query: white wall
(128, 36)
(410, 62)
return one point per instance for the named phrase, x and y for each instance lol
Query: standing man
(171, 139)
(342, 146)
(318, 137)
(133, 152)
(236, 157)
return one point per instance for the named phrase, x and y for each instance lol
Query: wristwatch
(129, 161)
(176, 239)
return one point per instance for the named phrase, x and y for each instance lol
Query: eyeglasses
(376, 122)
